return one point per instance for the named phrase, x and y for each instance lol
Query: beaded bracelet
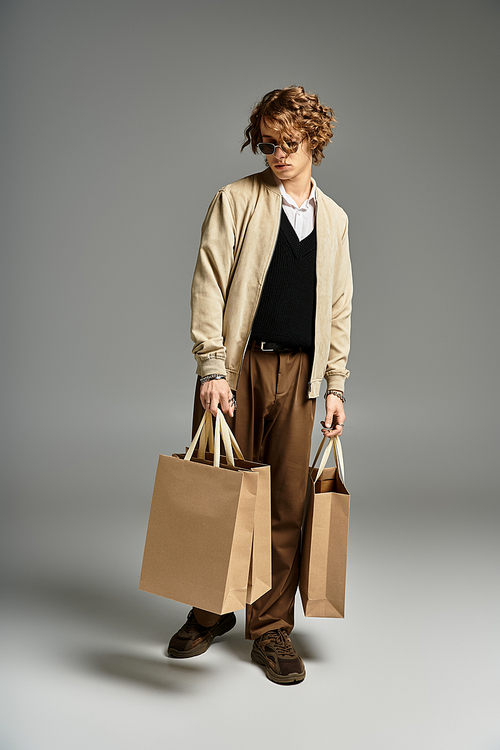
(336, 393)
(206, 378)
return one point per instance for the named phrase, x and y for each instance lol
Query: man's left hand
(335, 417)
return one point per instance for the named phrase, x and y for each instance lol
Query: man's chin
(282, 174)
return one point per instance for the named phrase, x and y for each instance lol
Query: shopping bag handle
(206, 438)
(218, 434)
(333, 442)
(226, 431)
(228, 438)
(204, 433)
(206, 424)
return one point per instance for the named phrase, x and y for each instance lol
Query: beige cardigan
(237, 242)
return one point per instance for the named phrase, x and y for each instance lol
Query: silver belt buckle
(261, 347)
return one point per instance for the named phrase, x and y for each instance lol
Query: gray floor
(414, 664)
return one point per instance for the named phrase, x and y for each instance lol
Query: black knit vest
(287, 304)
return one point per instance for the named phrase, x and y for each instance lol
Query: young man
(271, 307)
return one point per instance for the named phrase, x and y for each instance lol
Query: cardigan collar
(267, 177)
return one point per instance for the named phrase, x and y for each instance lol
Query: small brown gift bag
(200, 532)
(324, 537)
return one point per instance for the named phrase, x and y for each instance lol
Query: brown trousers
(273, 425)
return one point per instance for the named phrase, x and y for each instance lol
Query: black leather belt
(269, 346)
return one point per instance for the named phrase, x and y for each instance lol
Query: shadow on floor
(131, 614)
(160, 675)
(307, 646)
(236, 644)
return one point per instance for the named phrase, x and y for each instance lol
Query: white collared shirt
(301, 218)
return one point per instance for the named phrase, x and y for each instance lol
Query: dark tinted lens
(266, 148)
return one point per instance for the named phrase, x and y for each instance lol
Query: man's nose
(280, 149)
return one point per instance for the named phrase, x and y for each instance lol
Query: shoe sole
(289, 679)
(204, 645)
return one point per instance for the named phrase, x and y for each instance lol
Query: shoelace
(192, 623)
(281, 642)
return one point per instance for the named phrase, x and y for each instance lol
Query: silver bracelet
(336, 393)
(206, 378)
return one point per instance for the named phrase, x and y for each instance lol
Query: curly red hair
(290, 111)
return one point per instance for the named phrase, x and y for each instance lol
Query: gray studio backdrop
(120, 121)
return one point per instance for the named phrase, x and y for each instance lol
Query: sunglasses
(270, 148)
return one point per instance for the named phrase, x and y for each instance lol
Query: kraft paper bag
(200, 532)
(260, 573)
(324, 539)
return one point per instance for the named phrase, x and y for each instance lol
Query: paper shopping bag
(324, 538)
(260, 573)
(199, 538)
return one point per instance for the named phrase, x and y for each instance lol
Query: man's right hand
(215, 392)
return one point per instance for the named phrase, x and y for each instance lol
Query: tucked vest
(287, 304)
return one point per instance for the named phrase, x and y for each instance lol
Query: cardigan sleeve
(336, 372)
(209, 287)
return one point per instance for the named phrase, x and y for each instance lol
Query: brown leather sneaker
(275, 652)
(194, 639)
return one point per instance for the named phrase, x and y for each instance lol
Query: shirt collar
(289, 201)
